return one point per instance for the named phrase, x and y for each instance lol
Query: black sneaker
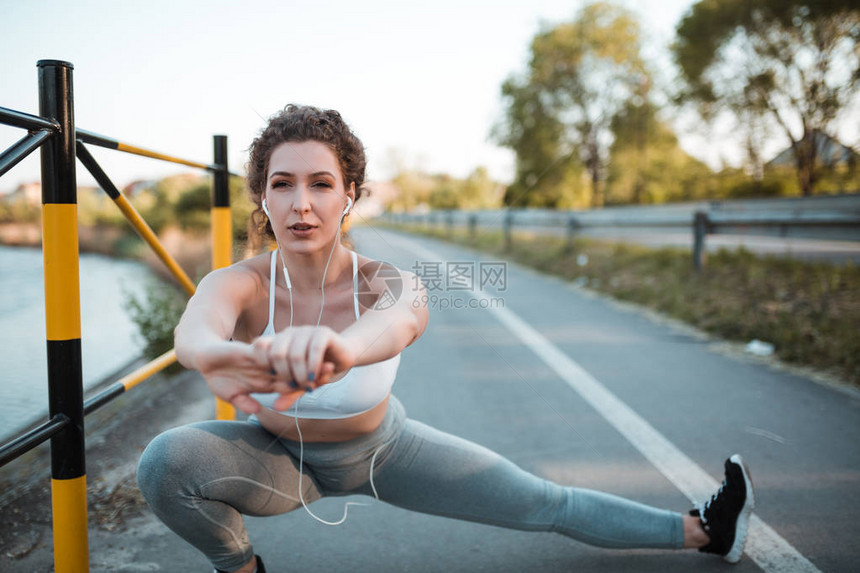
(725, 517)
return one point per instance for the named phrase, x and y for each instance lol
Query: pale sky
(420, 77)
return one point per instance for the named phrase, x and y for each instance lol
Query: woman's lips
(302, 231)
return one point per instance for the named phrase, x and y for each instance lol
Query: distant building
(135, 188)
(30, 193)
(828, 152)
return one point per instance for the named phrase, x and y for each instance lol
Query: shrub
(156, 315)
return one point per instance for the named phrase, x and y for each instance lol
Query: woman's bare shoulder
(245, 276)
(379, 274)
(257, 266)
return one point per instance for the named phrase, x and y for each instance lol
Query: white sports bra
(361, 389)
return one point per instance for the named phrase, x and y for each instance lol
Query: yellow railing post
(63, 320)
(222, 236)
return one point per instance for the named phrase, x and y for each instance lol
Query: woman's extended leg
(200, 478)
(434, 472)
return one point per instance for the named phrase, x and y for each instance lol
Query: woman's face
(305, 195)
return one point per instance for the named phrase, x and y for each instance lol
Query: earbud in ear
(348, 205)
(266, 209)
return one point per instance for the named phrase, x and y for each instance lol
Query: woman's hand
(233, 370)
(304, 357)
(292, 362)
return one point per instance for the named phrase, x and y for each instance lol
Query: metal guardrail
(54, 132)
(753, 217)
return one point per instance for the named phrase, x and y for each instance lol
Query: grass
(809, 311)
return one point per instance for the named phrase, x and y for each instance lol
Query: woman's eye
(322, 184)
(279, 184)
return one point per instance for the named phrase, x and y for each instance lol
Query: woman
(281, 336)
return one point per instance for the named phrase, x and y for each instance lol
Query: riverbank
(102, 240)
(807, 311)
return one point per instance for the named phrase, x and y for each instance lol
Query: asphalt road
(585, 392)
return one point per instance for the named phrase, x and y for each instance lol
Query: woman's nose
(301, 200)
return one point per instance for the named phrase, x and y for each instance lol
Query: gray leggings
(199, 480)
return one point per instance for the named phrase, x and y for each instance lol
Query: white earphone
(345, 211)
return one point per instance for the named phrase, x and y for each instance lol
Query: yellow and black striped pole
(222, 236)
(63, 319)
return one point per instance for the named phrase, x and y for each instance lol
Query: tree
(415, 188)
(795, 62)
(647, 164)
(547, 167)
(443, 191)
(579, 76)
(479, 191)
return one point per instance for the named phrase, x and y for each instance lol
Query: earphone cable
(296, 405)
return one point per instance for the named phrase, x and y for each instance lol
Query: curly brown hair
(300, 123)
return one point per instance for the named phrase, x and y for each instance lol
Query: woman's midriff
(319, 430)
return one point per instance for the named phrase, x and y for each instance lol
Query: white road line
(765, 546)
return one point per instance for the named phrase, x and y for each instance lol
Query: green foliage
(793, 62)
(96, 209)
(186, 202)
(443, 195)
(17, 210)
(415, 188)
(647, 165)
(241, 208)
(548, 171)
(192, 209)
(156, 315)
(586, 131)
(442, 191)
(157, 205)
(478, 191)
(154, 207)
(750, 188)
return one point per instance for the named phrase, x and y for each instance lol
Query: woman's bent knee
(167, 459)
(182, 459)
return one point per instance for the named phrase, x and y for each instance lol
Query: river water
(109, 338)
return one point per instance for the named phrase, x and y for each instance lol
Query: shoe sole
(742, 525)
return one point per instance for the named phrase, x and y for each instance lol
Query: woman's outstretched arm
(211, 314)
(202, 340)
(388, 325)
